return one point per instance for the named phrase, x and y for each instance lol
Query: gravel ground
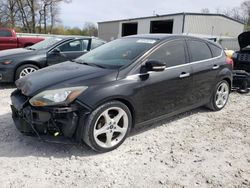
(195, 149)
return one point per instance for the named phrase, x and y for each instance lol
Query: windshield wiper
(89, 64)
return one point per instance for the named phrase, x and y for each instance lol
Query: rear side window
(5, 33)
(216, 51)
(172, 53)
(199, 50)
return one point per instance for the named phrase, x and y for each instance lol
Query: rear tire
(24, 70)
(107, 126)
(220, 96)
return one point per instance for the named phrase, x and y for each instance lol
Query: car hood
(244, 39)
(62, 75)
(15, 52)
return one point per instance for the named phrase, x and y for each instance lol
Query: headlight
(62, 96)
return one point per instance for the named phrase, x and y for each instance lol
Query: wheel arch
(25, 63)
(228, 80)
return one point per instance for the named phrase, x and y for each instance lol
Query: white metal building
(213, 25)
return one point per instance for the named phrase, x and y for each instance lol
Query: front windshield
(48, 42)
(117, 53)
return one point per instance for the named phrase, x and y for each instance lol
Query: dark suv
(241, 60)
(125, 83)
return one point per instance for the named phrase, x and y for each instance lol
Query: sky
(78, 12)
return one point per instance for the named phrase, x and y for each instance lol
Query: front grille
(244, 57)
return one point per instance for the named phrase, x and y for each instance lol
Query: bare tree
(205, 10)
(245, 6)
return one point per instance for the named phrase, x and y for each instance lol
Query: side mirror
(153, 65)
(56, 51)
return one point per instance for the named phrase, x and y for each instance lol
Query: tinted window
(5, 33)
(216, 51)
(71, 46)
(96, 43)
(172, 53)
(199, 50)
(85, 45)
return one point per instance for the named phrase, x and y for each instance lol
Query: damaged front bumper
(44, 121)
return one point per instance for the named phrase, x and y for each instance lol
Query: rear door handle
(215, 67)
(184, 74)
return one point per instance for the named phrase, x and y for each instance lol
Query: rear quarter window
(198, 50)
(216, 50)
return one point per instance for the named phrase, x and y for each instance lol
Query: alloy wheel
(222, 94)
(26, 71)
(111, 127)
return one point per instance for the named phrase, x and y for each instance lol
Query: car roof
(155, 36)
(162, 37)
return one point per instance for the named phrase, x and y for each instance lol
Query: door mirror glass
(153, 65)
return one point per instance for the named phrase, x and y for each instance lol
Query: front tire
(24, 70)
(107, 126)
(220, 96)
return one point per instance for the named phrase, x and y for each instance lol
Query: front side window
(172, 53)
(71, 46)
(199, 50)
(85, 45)
(5, 33)
(74, 46)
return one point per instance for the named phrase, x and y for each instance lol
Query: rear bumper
(41, 122)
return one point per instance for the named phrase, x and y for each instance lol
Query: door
(170, 90)
(6, 40)
(204, 70)
(68, 51)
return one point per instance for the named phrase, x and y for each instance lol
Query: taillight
(230, 62)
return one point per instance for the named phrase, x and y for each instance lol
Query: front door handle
(184, 74)
(215, 67)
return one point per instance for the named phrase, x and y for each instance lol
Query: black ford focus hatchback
(125, 83)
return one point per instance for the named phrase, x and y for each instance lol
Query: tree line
(38, 16)
(42, 16)
(240, 13)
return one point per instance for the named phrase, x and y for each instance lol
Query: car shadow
(7, 85)
(147, 127)
(15, 144)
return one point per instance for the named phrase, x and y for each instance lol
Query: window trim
(134, 76)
